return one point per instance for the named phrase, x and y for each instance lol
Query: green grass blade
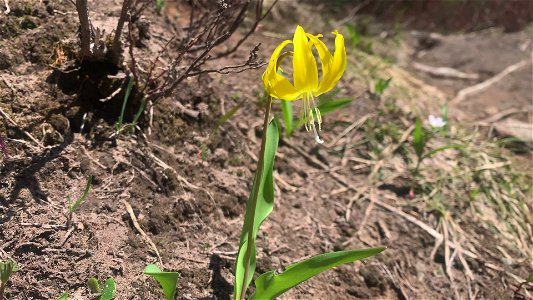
(381, 85)
(63, 296)
(109, 290)
(327, 106)
(440, 149)
(139, 112)
(286, 109)
(167, 280)
(74, 206)
(118, 125)
(418, 138)
(265, 204)
(270, 285)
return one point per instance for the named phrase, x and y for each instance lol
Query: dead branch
(444, 72)
(258, 18)
(251, 63)
(85, 27)
(116, 48)
(146, 238)
(462, 94)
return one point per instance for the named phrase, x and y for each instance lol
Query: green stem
(253, 203)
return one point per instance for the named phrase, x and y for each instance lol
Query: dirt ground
(191, 205)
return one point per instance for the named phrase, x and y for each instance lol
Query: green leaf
(139, 112)
(270, 285)
(109, 290)
(6, 268)
(327, 106)
(118, 125)
(265, 204)
(353, 34)
(530, 277)
(418, 138)
(286, 109)
(159, 5)
(381, 85)
(440, 149)
(167, 280)
(73, 206)
(63, 296)
(93, 285)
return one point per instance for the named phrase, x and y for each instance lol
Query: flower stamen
(309, 111)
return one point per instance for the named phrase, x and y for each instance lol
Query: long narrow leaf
(328, 106)
(118, 125)
(440, 149)
(270, 285)
(265, 204)
(286, 109)
(418, 138)
(167, 280)
(74, 206)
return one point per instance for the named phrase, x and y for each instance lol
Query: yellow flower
(305, 84)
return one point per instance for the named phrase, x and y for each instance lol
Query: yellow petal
(338, 65)
(323, 52)
(305, 70)
(275, 84)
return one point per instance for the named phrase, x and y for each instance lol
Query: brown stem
(253, 203)
(116, 47)
(85, 29)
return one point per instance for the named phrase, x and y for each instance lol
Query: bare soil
(191, 202)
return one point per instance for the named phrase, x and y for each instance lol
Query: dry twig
(464, 93)
(146, 238)
(444, 72)
(27, 134)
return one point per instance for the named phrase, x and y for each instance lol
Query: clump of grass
(458, 174)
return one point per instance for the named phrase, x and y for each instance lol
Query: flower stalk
(253, 203)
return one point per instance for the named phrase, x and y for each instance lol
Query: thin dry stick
(444, 72)
(146, 238)
(462, 94)
(502, 114)
(447, 257)
(385, 154)
(354, 125)
(368, 210)
(27, 134)
(437, 235)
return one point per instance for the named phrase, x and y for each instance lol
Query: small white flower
(436, 122)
